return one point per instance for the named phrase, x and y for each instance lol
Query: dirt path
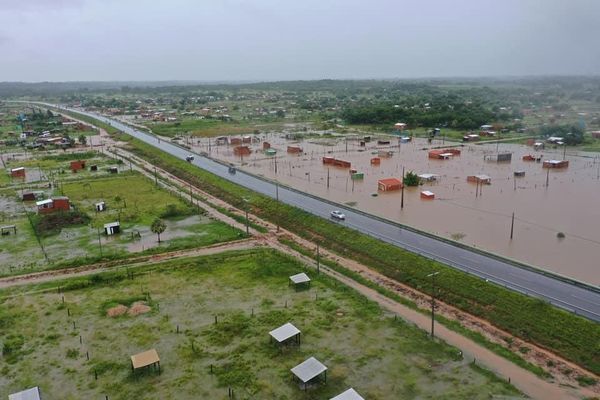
(52, 275)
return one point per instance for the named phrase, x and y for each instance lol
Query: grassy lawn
(207, 127)
(528, 318)
(248, 292)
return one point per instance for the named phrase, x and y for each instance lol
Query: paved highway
(562, 293)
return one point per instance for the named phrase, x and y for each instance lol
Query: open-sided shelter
(349, 394)
(147, 358)
(299, 279)
(28, 394)
(286, 333)
(309, 370)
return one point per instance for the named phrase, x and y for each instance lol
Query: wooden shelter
(375, 161)
(389, 184)
(31, 195)
(147, 358)
(235, 141)
(480, 178)
(266, 145)
(294, 149)
(54, 204)
(241, 150)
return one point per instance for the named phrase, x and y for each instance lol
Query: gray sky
(66, 40)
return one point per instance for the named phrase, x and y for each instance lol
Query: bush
(411, 179)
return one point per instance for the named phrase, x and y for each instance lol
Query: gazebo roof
(309, 369)
(284, 332)
(28, 394)
(349, 394)
(300, 278)
(144, 359)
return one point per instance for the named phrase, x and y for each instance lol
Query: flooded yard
(556, 213)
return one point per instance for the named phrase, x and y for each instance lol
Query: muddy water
(569, 203)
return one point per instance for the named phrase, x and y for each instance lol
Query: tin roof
(309, 369)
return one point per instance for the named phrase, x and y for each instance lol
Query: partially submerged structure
(555, 164)
(112, 228)
(389, 184)
(241, 150)
(427, 195)
(480, 179)
(294, 149)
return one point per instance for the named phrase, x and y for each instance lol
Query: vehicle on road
(189, 158)
(337, 214)
(232, 170)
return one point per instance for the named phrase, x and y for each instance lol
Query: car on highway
(337, 214)
(189, 158)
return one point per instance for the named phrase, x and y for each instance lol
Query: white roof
(427, 193)
(29, 394)
(349, 394)
(553, 161)
(428, 176)
(111, 224)
(300, 278)
(446, 154)
(100, 203)
(42, 202)
(284, 332)
(309, 369)
(17, 169)
(482, 177)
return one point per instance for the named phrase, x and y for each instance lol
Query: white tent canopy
(349, 394)
(29, 394)
(284, 332)
(309, 369)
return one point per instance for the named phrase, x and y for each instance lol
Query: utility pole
(327, 178)
(318, 260)
(564, 151)
(402, 198)
(432, 276)
(155, 177)
(247, 222)
(276, 165)
(515, 182)
(99, 242)
(512, 225)
(346, 145)
(277, 197)
(547, 176)
(476, 188)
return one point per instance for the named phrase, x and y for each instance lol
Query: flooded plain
(556, 211)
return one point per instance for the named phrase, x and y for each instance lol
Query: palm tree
(158, 226)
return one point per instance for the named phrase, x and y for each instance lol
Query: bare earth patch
(139, 307)
(116, 311)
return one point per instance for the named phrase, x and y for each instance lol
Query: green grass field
(248, 292)
(207, 127)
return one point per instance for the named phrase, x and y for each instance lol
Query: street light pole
(432, 276)
(247, 227)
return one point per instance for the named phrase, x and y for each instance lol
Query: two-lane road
(562, 293)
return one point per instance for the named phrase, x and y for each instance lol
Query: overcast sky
(67, 40)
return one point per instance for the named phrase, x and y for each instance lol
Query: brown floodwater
(569, 204)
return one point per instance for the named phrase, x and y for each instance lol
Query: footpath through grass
(572, 337)
(47, 342)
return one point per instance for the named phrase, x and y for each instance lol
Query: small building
(112, 228)
(440, 154)
(328, 160)
(385, 153)
(428, 177)
(247, 139)
(427, 195)
(530, 157)
(555, 164)
(294, 149)
(241, 151)
(375, 161)
(54, 204)
(349, 394)
(596, 134)
(389, 184)
(32, 195)
(145, 359)
(6, 229)
(538, 145)
(471, 138)
(235, 141)
(399, 126)
(101, 206)
(299, 279)
(555, 140)
(28, 394)
(286, 333)
(309, 370)
(113, 170)
(480, 178)
(221, 140)
(342, 163)
(357, 176)
(405, 139)
(519, 173)
(94, 168)
(498, 157)
(383, 142)
(77, 165)
(266, 145)
(270, 152)
(18, 172)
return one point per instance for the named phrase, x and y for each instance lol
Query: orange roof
(390, 181)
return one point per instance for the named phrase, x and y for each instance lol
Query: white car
(338, 215)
